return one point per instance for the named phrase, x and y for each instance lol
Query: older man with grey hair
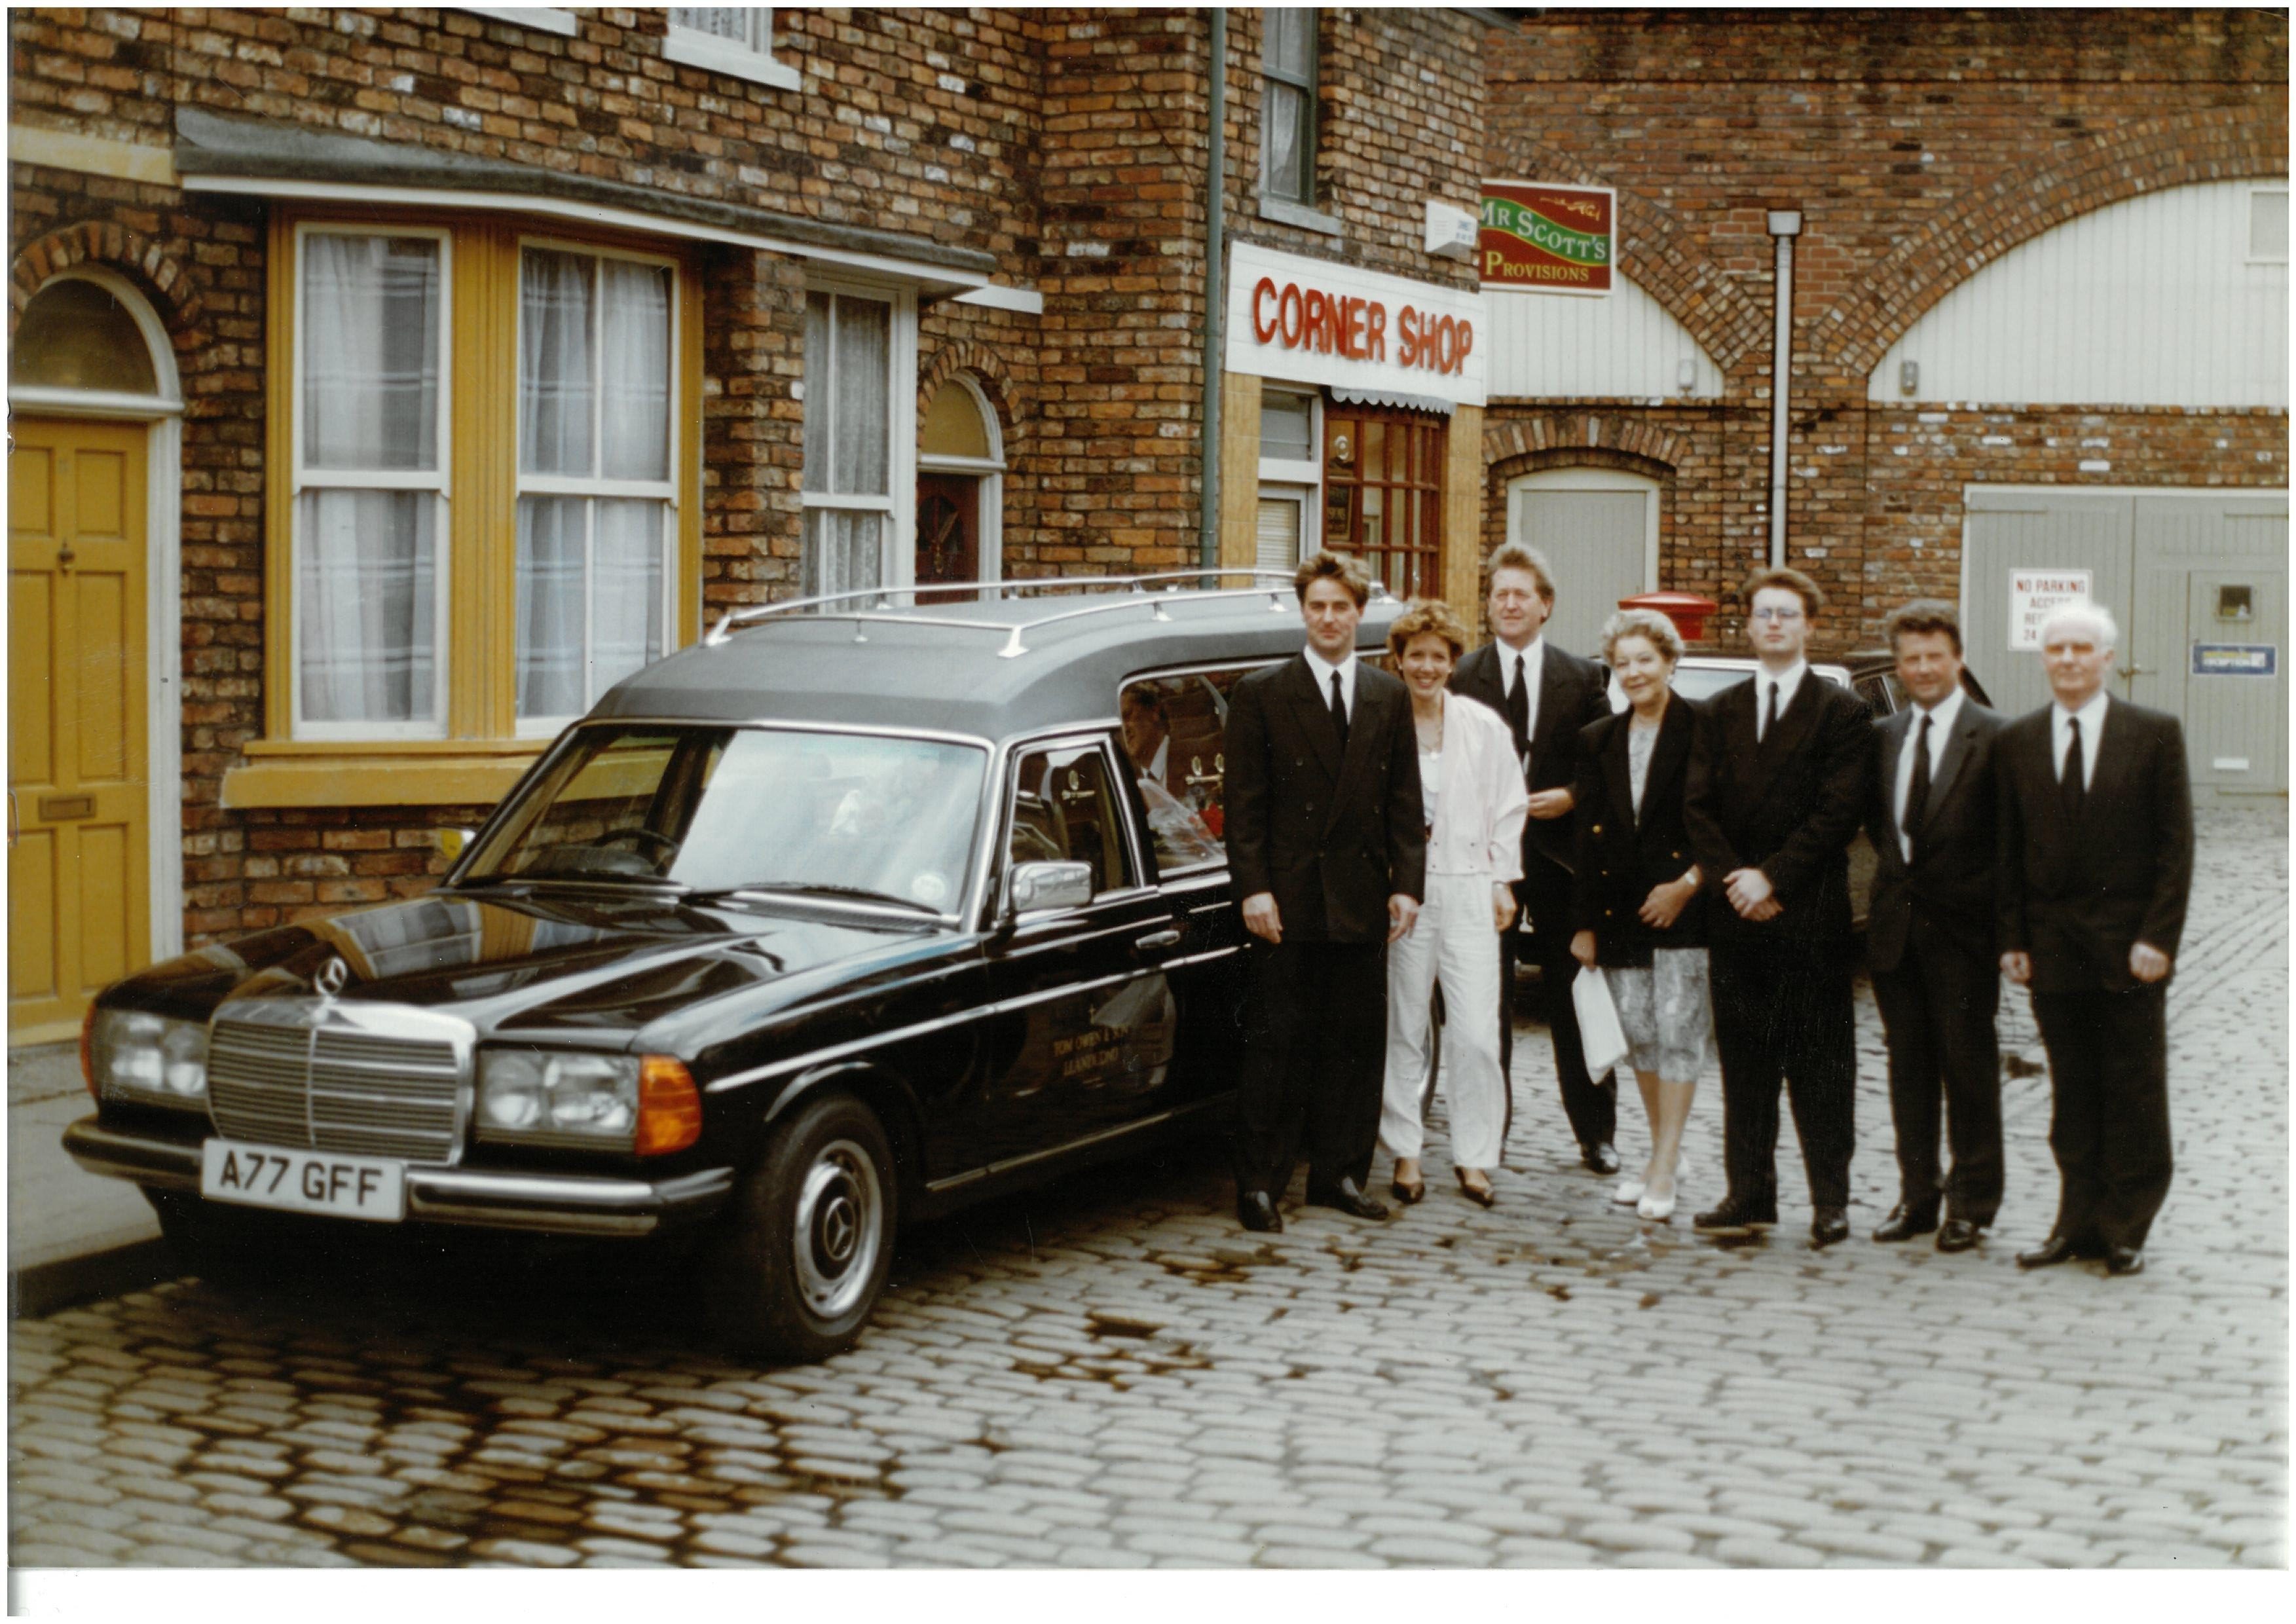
(2096, 868)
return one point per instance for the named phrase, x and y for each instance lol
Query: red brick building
(387, 383)
(390, 382)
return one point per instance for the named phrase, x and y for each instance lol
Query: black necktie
(1771, 725)
(1917, 796)
(1518, 711)
(2074, 784)
(1338, 711)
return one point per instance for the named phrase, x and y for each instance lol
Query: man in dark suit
(1547, 697)
(1929, 935)
(2095, 869)
(1776, 787)
(1327, 846)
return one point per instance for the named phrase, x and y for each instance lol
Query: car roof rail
(1126, 591)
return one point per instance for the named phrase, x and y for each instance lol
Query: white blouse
(1479, 810)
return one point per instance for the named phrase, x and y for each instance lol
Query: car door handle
(1157, 940)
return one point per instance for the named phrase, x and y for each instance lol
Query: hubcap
(837, 1229)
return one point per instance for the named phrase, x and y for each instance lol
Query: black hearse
(859, 910)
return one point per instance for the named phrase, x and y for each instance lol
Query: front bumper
(553, 1203)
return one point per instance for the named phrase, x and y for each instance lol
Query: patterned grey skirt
(1667, 1012)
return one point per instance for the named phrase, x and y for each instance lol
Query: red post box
(1687, 610)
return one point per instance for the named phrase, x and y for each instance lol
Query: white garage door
(1599, 531)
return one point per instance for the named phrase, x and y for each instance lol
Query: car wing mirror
(1034, 886)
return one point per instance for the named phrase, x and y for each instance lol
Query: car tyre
(809, 1243)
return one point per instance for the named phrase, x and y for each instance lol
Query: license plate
(369, 1187)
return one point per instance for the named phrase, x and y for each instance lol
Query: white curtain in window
(370, 341)
(554, 401)
(745, 24)
(366, 604)
(551, 545)
(626, 595)
(593, 404)
(634, 370)
(366, 561)
(864, 343)
(1284, 107)
(843, 551)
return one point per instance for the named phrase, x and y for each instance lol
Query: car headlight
(148, 1059)
(544, 1098)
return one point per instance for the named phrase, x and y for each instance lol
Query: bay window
(486, 507)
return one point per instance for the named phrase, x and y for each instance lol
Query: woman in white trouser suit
(1472, 789)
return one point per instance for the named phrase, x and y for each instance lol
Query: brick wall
(1919, 147)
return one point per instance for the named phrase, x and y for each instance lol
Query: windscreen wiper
(818, 887)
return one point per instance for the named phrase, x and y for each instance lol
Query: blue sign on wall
(2236, 659)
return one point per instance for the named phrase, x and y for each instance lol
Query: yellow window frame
(481, 755)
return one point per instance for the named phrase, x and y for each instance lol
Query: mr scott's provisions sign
(1547, 239)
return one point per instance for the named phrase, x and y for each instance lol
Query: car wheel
(810, 1239)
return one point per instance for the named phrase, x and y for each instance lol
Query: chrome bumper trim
(555, 1204)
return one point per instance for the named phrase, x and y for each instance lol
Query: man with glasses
(1776, 787)
(1546, 697)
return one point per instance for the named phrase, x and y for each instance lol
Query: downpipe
(1785, 226)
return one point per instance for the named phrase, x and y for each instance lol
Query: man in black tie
(1546, 697)
(1327, 849)
(1776, 786)
(1930, 936)
(2096, 867)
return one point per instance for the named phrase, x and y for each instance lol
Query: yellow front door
(78, 848)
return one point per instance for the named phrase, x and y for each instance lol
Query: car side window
(1064, 810)
(1176, 743)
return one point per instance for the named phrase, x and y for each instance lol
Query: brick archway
(127, 253)
(1518, 445)
(2229, 144)
(964, 356)
(1667, 263)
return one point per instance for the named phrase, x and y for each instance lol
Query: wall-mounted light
(1909, 377)
(1685, 375)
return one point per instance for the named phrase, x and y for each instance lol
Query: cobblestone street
(1110, 1374)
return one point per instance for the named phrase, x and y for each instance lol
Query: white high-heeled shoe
(1628, 1192)
(1658, 1209)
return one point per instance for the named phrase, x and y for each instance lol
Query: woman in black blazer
(1634, 899)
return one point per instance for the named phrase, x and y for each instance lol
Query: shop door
(1384, 493)
(79, 905)
(948, 528)
(1599, 532)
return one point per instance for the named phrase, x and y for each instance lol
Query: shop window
(490, 480)
(731, 39)
(1384, 494)
(848, 485)
(1287, 426)
(1288, 50)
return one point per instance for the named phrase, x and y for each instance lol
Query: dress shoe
(2124, 1261)
(1658, 1209)
(1630, 1191)
(1957, 1234)
(1481, 1194)
(1256, 1210)
(1827, 1226)
(1734, 1216)
(1409, 1194)
(1347, 1196)
(2056, 1249)
(1599, 1158)
(1903, 1223)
